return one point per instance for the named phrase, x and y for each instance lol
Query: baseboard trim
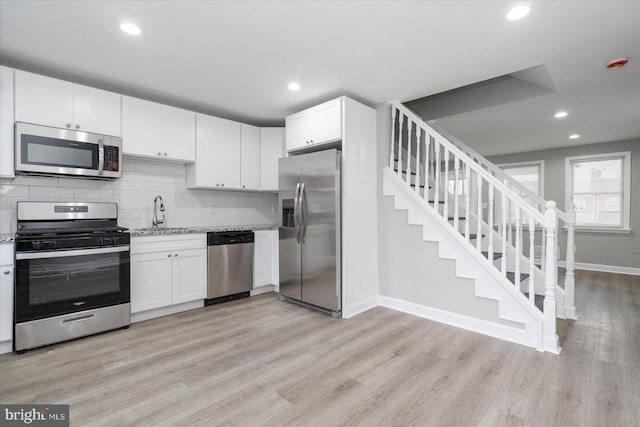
(166, 311)
(360, 307)
(483, 327)
(262, 290)
(604, 268)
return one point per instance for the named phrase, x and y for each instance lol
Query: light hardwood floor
(262, 362)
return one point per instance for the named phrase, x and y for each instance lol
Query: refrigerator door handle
(296, 213)
(303, 219)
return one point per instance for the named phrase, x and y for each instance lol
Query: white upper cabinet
(271, 149)
(250, 157)
(157, 131)
(317, 125)
(217, 163)
(6, 122)
(52, 102)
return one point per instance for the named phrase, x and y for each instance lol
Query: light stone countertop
(161, 231)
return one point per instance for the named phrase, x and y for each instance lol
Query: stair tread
(440, 202)
(451, 218)
(511, 275)
(474, 235)
(496, 255)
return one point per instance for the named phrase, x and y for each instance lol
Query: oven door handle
(75, 252)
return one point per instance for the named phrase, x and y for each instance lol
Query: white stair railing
(568, 218)
(432, 154)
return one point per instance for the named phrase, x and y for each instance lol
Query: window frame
(539, 163)
(624, 227)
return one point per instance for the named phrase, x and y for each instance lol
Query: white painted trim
(6, 347)
(262, 290)
(626, 188)
(484, 327)
(165, 311)
(360, 307)
(600, 230)
(604, 268)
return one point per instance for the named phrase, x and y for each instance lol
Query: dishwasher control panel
(229, 237)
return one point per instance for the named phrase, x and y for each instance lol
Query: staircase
(499, 233)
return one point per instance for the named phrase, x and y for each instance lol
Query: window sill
(600, 230)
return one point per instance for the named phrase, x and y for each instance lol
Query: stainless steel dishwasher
(230, 265)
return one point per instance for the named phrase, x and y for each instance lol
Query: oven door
(60, 282)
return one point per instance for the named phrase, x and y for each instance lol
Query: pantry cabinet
(58, 103)
(6, 123)
(157, 131)
(318, 125)
(167, 270)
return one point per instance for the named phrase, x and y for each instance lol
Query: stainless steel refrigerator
(309, 202)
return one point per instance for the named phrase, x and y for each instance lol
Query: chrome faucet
(155, 221)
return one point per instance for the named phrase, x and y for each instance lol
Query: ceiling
(235, 59)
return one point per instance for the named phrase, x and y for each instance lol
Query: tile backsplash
(141, 182)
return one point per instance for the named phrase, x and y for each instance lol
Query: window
(528, 174)
(599, 186)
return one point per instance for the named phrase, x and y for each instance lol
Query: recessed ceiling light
(574, 136)
(517, 12)
(293, 86)
(130, 28)
(560, 114)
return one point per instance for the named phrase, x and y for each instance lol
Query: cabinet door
(43, 100)
(96, 111)
(6, 302)
(250, 157)
(141, 127)
(263, 258)
(178, 134)
(203, 173)
(271, 149)
(150, 281)
(327, 122)
(189, 275)
(6, 122)
(299, 130)
(227, 160)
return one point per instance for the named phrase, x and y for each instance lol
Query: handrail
(484, 162)
(472, 164)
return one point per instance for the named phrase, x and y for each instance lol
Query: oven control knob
(36, 245)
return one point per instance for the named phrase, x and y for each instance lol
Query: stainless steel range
(72, 272)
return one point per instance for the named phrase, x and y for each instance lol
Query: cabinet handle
(7, 271)
(159, 153)
(176, 255)
(165, 154)
(169, 256)
(217, 185)
(77, 126)
(221, 185)
(68, 125)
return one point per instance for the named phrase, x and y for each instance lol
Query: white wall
(142, 180)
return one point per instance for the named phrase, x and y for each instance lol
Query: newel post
(570, 278)
(549, 337)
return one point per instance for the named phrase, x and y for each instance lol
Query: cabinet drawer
(148, 244)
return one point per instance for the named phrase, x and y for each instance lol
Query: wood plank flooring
(262, 362)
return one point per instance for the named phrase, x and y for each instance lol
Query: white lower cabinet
(167, 270)
(263, 258)
(6, 297)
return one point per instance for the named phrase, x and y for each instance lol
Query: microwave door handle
(296, 212)
(100, 157)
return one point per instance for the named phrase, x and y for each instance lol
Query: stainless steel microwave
(44, 150)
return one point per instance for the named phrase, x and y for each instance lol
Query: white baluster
(570, 279)
(467, 200)
(491, 210)
(532, 262)
(503, 260)
(549, 331)
(436, 195)
(518, 247)
(446, 182)
(427, 148)
(479, 219)
(417, 162)
(400, 144)
(456, 194)
(393, 137)
(409, 132)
